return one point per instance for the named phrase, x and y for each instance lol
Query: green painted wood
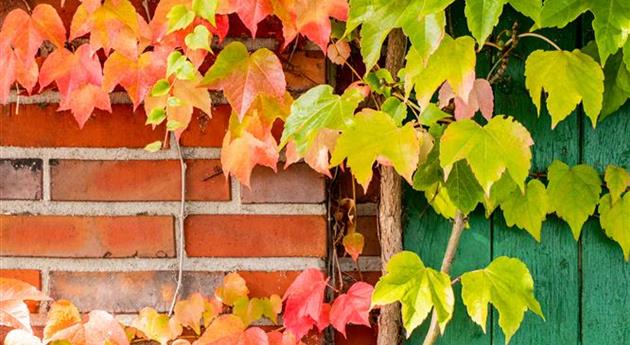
(426, 233)
(553, 262)
(605, 276)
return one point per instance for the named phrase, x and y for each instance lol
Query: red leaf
(251, 12)
(253, 336)
(286, 338)
(312, 19)
(480, 98)
(352, 307)
(304, 303)
(7, 77)
(82, 101)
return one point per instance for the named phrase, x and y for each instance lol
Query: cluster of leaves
(228, 317)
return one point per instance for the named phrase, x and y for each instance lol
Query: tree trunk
(390, 207)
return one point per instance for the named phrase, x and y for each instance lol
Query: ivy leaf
(242, 77)
(528, 210)
(568, 78)
(483, 15)
(224, 329)
(189, 312)
(480, 98)
(530, 8)
(304, 303)
(378, 18)
(62, 314)
(614, 218)
(13, 311)
(453, 61)
(251, 12)
(616, 80)
(611, 25)
(312, 19)
(428, 172)
(617, 180)
(137, 76)
(316, 109)
(353, 244)
(233, 288)
(462, 187)
(502, 145)
(561, 12)
(418, 288)
(249, 310)
(573, 193)
(508, 285)
(499, 192)
(199, 38)
(372, 137)
(286, 338)
(339, 52)
(179, 17)
(206, 9)
(156, 326)
(437, 197)
(353, 307)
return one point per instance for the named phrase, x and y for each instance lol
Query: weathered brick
(297, 184)
(263, 284)
(255, 235)
(127, 292)
(32, 277)
(43, 126)
(21, 179)
(137, 180)
(204, 131)
(67, 236)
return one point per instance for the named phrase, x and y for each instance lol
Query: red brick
(357, 335)
(137, 180)
(28, 276)
(204, 131)
(21, 179)
(263, 284)
(128, 292)
(255, 235)
(297, 184)
(43, 126)
(66, 236)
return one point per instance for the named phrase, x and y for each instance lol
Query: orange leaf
(224, 330)
(353, 243)
(62, 314)
(312, 19)
(156, 326)
(188, 312)
(251, 12)
(233, 288)
(339, 52)
(82, 101)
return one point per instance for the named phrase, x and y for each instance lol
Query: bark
(390, 207)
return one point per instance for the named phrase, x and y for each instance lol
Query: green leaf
(502, 145)
(396, 109)
(439, 200)
(198, 39)
(418, 288)
(173, 125)
(154, 146)
(378, 17)
(499, 192)
(573, 193)
(429, 172)
(156, 116)
(179, 17)
(205, 9)
(316, 109)
(617, 180)
(508, 285)
(561, 12)
(568, 78)
(462, 187)
(378, 82)
(453, 61)
(530, 8)
(529, 210)
(425, 33)
(178, 64)
(374, 136)
(614, 218)
(161, 88)
(482, 16)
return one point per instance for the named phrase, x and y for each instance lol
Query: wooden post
(390, 207)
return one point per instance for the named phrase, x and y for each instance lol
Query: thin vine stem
(539, 36)
(182, 217)
(447, 263)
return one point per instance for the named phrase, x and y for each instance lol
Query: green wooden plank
(605, 276)
(426, 233)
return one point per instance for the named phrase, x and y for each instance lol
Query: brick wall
(88, 215)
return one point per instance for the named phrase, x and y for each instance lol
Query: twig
(28, 7)
(182, 216)
(447, 262)
(539, 36)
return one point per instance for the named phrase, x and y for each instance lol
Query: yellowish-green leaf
(573, 193)
(154, 146)
(503, 145)
(617, 180)
(500, 191)
(453, 61)
(418, 288)
(157, 326)
(568, 79)
(374, 137)
(438, 198)
(508, 285)
(179, 17)
(462, 187)
(233, 289)
(529, 210)
(199, 38)
(614, 218)
(205, 9)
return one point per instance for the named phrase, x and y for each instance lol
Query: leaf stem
(539, 36)
(447, 262)
(182, 217)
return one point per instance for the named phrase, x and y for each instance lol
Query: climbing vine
(421, 121)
